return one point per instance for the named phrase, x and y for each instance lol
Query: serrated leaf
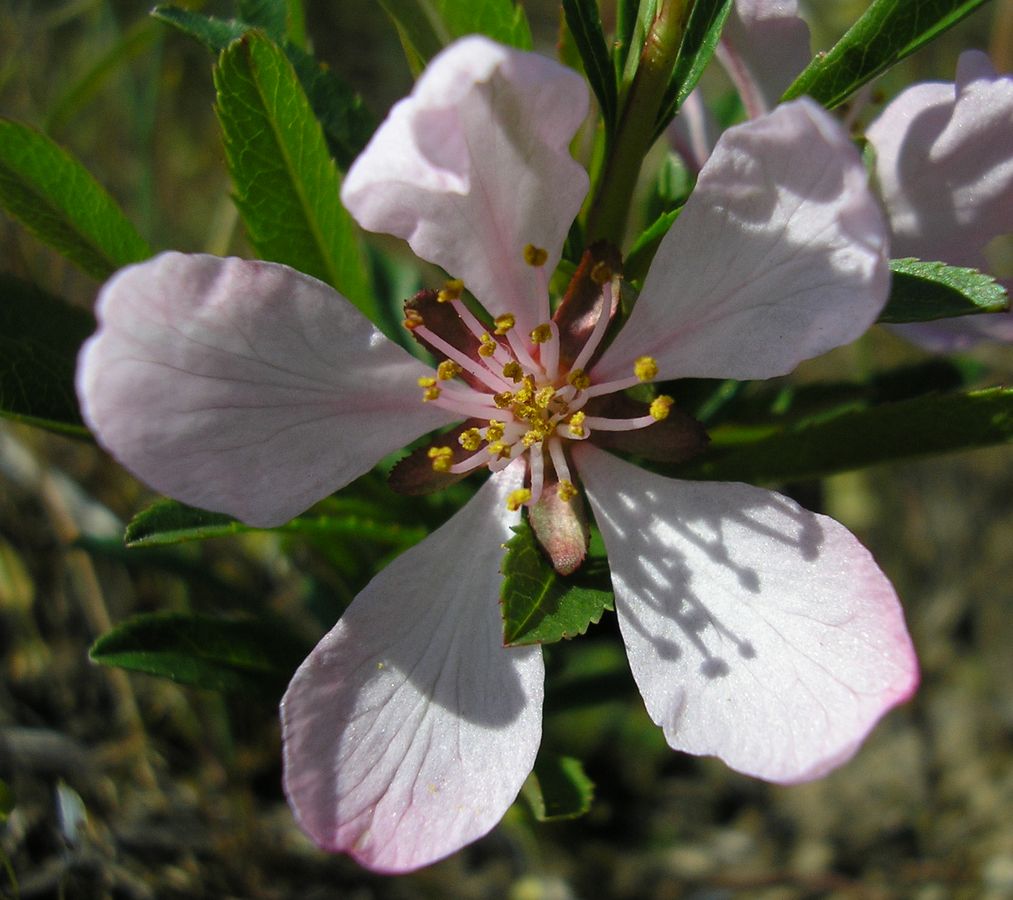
(427, 26)
(218, 654)
(700, 39)
(922, 291)
(170, 522)
(558, 788)
(39, 340)
(56, 198)
(853, 439)
(286, 184)
(584, 22)
(537, 604)
(347, 123)
(888, 31)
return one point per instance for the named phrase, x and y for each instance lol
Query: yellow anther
(470, 439)
(576, 424)
(495, 430)
(499, 449)
(447, 369)
(513, 371)
(540, 334)
(487, 347)
(426, 381)
(526, 391)
(412, 319)
(442, 457)
(502, 399)
(579, 379)
(601, 273)
(430, 393)
(531, 438)
(535, 256)
(451, 290)
(517, 499)
(504, 323)
(660, 407)
(544, 396)
(645, 368)
(566, 491)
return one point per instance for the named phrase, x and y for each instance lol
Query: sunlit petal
(757, 631)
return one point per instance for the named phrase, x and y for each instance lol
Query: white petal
(944, 161)
(244, 387)
(757, 631)
(779, 255)
(764, 46)
(474, 165)
(410, 728)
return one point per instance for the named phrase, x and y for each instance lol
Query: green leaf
(644, 247)
(558, 788)
(347, 123)
(852, 439)
(538, 605)
(923, 291)
(287, 186)
(427, 26)
(270, 15)
(215, 34)
(40, 337)
(170, 522)
(584, 22)
(703, 31)
(56, 198)
(219, 654)
(888, 31)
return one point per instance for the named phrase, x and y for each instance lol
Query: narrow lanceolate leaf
(888, 31)
(56, 198)
(427, 26)
(853, 439)
(703, 31)
(218, 654)
(170, 522)
(39, 340)
(347, 123)
(558, 788)
(286, 184)
(584, 22)
(922, 291)
(538, 605)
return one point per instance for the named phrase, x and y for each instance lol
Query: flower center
(523, 401)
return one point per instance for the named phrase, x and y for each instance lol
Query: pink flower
(944, 152)
(757, 631)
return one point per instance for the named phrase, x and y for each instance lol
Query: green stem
(635, 134)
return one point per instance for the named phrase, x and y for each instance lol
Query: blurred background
(128, 786)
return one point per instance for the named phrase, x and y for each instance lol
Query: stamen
(504, 323)
(513, 371)
(576, 425)
(600, 423)
(470, 463)
(537, 473)
(559, 460)
(499, 449)
(543, 397)
(447, 369)
(660, 407)
(495, 430)
(579, 379)
(645, 368)
(601, 273)
(489, 378)
(549, 353)
(451, 290)
(442, 457)
(541, 334)
(412, 319)
(503, 399)
(471, 439)
(430, 390)
(598, 332)
(535, 256)
(517, 499)
(566, 491)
